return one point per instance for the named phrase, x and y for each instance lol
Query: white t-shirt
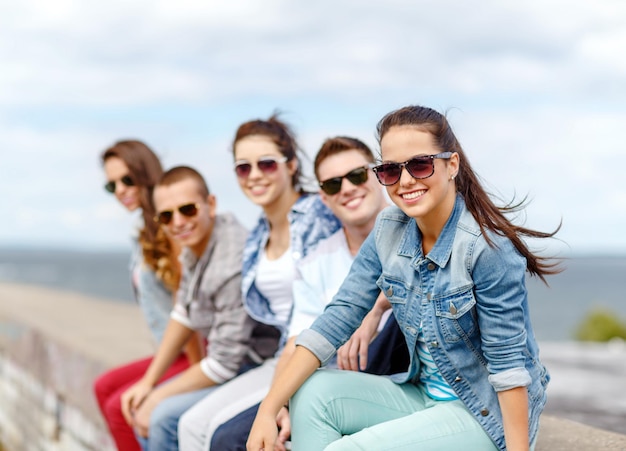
(274, 279)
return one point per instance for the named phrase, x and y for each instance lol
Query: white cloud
(536, 90)
(90, 53)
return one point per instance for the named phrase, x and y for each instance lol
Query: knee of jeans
(112, 407)
(221, 438)
(160, 415)
(99, 388)
(313, 391)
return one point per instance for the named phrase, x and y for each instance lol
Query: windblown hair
(281, 134)
(145, 170)
(486, 213)
(339, 144)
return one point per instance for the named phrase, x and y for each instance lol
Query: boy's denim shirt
(471, 299)
(309, 221)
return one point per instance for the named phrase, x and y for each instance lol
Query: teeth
(413, 195)
(353, 202)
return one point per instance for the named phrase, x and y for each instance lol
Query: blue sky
(536, 91)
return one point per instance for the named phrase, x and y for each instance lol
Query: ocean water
(101, 274)
(556, 310)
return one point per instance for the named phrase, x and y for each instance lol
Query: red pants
(109, 388)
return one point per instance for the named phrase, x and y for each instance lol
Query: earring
(452, 177)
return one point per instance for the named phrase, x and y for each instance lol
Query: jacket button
(452, 309)
(458, 379)
(389, 292)
(484, 412)
(429, 296)
(431, 266)
(434, 344)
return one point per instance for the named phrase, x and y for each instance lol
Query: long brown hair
(145, 170)
(488, 215)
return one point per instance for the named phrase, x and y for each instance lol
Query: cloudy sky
(536, 91)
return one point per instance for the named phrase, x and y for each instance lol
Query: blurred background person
(292, 222)
(132, 169)
(208, 301)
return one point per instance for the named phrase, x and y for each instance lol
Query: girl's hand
(132, 398)
(352, 355)
(263, 433)
(284, 423)
(141, 417)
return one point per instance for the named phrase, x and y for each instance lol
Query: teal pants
(345, 410)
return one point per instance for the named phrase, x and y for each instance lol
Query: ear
(212, 203)
(454, 163)
(292, 166)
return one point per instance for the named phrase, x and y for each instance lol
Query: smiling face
(264, 188)
(430, 200)
(190, 231)
(354, 205)
(115, 169)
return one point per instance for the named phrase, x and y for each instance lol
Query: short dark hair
(339, 144)
(179, 173)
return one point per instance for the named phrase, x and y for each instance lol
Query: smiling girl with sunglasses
(453, 268)
(292, 221)
(132, 169)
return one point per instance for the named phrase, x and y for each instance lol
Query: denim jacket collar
(411, 241)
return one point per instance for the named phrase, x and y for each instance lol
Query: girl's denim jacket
(309, 222)
(470, 298)
(155, 300)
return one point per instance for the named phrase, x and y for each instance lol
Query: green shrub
(601, 325)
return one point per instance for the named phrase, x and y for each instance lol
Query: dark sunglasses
(126, 180)
(267, 165)
(356, 176)
(166, 216)
(420, 167)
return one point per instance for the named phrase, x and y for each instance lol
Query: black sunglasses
(166, 216)
(419, 167)
(126, 180)
(267, 165)
(356, 176)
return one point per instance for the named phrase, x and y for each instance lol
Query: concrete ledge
(54, 343)
(557, 434)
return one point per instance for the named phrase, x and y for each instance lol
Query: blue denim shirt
(472, 301)
(309, 221)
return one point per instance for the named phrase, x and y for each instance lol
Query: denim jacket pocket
(456, 315)
(396, 292)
